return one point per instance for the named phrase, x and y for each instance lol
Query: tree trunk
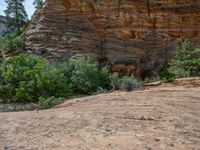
(17, 16)
(148, 7)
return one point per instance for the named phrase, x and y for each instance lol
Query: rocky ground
(17, 107)
(160, 118)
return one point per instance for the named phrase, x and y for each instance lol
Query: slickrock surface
(115, 31)
(161, 118)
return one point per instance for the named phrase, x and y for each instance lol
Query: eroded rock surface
(115, 31)
(161, 118)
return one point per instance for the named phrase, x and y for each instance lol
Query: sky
(28, 4)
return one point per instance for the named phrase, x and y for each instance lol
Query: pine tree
(38, 4)
(15, 14)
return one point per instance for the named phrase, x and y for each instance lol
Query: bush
(166, 76)
(115, 81)
(27, 77)
(19, 74)
(85, 76)
(187, 61)
(104, 74)
(46, 103)
(53, 82)
(12, 42)
(129, 83)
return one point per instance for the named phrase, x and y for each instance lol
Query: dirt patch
(160, 118)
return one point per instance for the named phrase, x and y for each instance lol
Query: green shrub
(53, 82)
(187, 61)
(129, 83)
(19, 74)
(12, 42)
(179, 71)
(85, 76)
(28, 77)
(115, 81)
(104, 74)
(46, 103)
(25, 78)
(166, 76)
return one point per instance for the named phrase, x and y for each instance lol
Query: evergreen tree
(15, 14)
(38, 4)
(187, 61)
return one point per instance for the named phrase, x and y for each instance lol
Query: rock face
(3, 28)
(115, 31)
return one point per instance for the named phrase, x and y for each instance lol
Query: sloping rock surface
(162, 118)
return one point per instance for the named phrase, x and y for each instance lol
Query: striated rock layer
(115, 31)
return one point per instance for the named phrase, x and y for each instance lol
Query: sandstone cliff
(115, 31)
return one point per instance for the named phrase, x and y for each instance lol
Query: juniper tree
(38, 4)
(15, 14)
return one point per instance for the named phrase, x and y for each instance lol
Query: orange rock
(113, 31)
(195, 81)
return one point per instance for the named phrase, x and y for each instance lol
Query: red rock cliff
(116, 31)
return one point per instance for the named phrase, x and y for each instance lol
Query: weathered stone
(195, 81)
(3, 27)
(116, 31)
(153, 84)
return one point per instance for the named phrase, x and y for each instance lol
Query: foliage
(104, 74)
(19, 74)
(19, 77)
(115, 81)
(85, 77)
(15, 14)
(12, 42)
(38, 4)
(45, 103)
(27, 77)
(129, 83)
(53, 82)
(186, 62)
(166, 76)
